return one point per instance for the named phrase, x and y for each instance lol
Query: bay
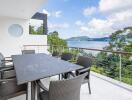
(88, 44)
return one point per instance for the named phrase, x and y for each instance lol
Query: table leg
(32, 91)
(27, 94)
(38, 91)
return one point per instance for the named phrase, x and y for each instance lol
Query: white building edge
(18, 12)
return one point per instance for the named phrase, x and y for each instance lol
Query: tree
(128, 48)
(118, 39)
(32, 31)
(54, 40)
(37, 31)
(40, 30)
(109, 63)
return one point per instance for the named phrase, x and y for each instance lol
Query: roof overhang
(23, 9)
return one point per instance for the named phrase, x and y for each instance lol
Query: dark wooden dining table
(32, 67)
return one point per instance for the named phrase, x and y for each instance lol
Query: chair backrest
(55, 53)
(28, 51)
(67, 56)
(84, 61)
(9, 88)
(66, 89)
(8, 74)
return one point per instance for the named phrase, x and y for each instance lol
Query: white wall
(10, 45)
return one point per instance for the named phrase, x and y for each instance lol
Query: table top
(31, 67)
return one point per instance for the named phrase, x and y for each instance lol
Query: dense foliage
(119, 39)
(38, 31)
(108, 64)
(59, 45)
(53, 39)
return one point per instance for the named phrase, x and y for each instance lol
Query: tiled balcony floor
(101, 90)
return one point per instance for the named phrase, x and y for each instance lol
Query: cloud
(114, 5)
(104, 27)
(121, 19)
(97, 28)
(56, 14)
(118, 15)
(46, 12)
(89, 11)
(58, 26)
(84, 29)
(119, 12)
(79, 23)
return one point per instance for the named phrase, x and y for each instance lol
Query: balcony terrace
(101, 89)
(19, 12)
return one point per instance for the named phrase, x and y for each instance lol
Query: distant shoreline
(85, 41)
(85, 38)
(88, 44)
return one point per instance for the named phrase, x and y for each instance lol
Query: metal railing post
(63, 48)
(24, 48)
(51, 49)
(78, 49)
(38, 49)
(120, 68)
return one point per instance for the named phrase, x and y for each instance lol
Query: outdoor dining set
(18, 72)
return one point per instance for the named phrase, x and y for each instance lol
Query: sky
(92, 18)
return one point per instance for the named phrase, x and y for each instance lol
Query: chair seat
(9, 74)
(8, 89)
(7, 67)
(81, 71)
(10, 65)
(44, 95)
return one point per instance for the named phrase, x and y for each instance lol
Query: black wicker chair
(28, 51)
(8, 84)
(10, 89)
(6, 65)
(5, 61)
(66, 57)
(62, 90)
(55, 54)
(86, 62)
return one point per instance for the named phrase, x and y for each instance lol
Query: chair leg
(89, 87)
(27, 95)
(66, 75)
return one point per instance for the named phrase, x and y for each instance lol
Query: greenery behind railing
(106, 63)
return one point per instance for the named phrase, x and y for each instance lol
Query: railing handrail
(118, 52)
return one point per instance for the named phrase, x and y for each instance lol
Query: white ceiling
(24, 9)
